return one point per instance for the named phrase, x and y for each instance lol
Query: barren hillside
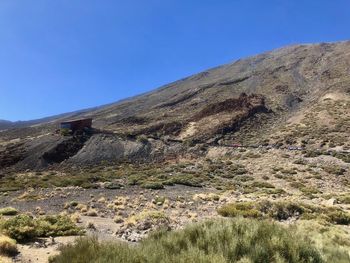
(298, 95)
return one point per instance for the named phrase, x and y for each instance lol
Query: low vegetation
(221, 241)
(24, 227)
(153, 217)
(332, 241)
(8, 211)
(8, 246)
(344, 198)
(285, 210)
(219, 182)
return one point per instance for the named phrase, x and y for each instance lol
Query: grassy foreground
(235, 240)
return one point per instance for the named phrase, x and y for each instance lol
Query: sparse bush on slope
(221, 241)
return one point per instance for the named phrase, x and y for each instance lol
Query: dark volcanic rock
(110, 148)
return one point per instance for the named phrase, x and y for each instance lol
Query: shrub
(148, 220)
(118, 219)
(336, 170)
(297, 185)
(252, 155)
(282, 210)
(245, 209)
(189, 142)
(206, 197)
(309, 190)
(244, 178)
(279, 176)
(288, 171)
(21, 227)
(134, 180)
(152, 215)
(338, 217)
(274, 191)
(285, 210)
(142, 139)
(153, 185)
(159, 200)
(300, 161)
(238, 169)
(220, 241)
(344, 199)
(262, 185)
(112, 185)
(344, 157)
(8, 211)
(56, 226)
(187, 179)
(91, 212)
(8, 246)
(25, 227)
(332, 241)
(312, 153)
(65, 132)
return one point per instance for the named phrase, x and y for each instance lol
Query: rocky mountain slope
(294, 96)
(4, 124)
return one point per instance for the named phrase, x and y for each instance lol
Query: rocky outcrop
(110, 148)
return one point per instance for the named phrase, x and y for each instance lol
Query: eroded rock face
(103, 147)
(251, 103)
(11, 154)
(73, 150)
(226, 116)
(28, 153)
(65, 149)
(214, 119)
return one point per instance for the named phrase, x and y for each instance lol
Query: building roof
(78, 120)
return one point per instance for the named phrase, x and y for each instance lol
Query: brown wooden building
(75, 125)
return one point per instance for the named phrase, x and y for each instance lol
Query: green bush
(65, 132)
(245, 209)
(244, 178)
(300, 161)
(112, 185)
(8, 211)
(342, 156)
(187, 179)
(284, 210)
(344, 199)
(336, 170)
(142, 139)
(25, 227)
(8, 246)
(153, 185)
(259, 184)
(338, 217)
(21, 227)
(288, 171)
(220, 241)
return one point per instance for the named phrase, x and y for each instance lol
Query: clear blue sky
(60, 56)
